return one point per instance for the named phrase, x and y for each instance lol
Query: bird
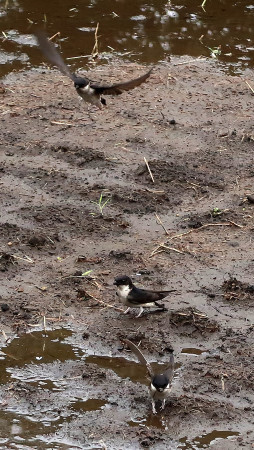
(134, 297)
(161, 384)
(89, 91)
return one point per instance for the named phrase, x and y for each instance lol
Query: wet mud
(66, 381)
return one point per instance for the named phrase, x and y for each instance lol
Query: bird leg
(153, 407)
(140, 311)
(163, 404)
(126, 311)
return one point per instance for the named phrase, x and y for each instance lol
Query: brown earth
(57, 158)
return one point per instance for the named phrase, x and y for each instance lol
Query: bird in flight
(89, 91)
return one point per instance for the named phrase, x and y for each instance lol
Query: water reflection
(149, 31)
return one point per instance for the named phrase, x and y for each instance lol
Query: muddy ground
(194, 125)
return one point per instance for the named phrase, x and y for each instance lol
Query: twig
(4, 335)
(78, 57)
(54, 35)
(173, 249)
(203, 5)
(23, 259)
(155, 192)
(236, 224)
(149, 170)
(95, 50)
(163, 246)
(194, 230)
(104, 303)
(188, 62)
(44, 323)
(252, 90)
(53, 122)
(160, 222)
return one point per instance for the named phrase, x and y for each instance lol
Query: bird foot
(162, 406)
(140, 312)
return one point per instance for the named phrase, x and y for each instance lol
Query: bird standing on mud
(134, 297)
(89, 91)
(160, 386)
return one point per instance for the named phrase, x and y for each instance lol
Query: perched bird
(160, 386)
(134, 297)
(90, 92)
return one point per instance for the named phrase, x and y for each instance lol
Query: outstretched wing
(118, 88)
(139, 355)
(169, 372)
(51, 53)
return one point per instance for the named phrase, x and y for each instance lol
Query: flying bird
(134, 297)
(89, 91)
(160, 385)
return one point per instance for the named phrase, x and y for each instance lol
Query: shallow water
(37, 363)
(143, 31)
(205, 440)
(192, 351)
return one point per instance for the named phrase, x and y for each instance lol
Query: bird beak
(115, 282)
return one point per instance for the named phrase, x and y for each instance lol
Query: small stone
(5, 307)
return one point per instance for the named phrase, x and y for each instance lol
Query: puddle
(165, 28)
(192, 351)
(18, 429)
(32, 358)
(36, 348)
(41, 359)
(92, 404)
(206, 440)
(152, 420)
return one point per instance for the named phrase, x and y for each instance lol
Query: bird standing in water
(160, 385)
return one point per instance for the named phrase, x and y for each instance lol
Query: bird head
(123, 281)
(160, 382)
(80, 82)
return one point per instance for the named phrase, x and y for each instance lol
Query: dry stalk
(53, 122)
(23, 259)
(149, 170)
(195, 230)
(95, 50)
(44, 323)
(155, 192)
(249, 86)
(105, 304)
(4, 335)
(54, 35)
(189, 62)
(160, 222)
(160, 248)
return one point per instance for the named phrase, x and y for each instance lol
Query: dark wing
(51, 53)
(139, 355)
(162, 294)
(169, 372)
(118, 88)
(140, 296)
